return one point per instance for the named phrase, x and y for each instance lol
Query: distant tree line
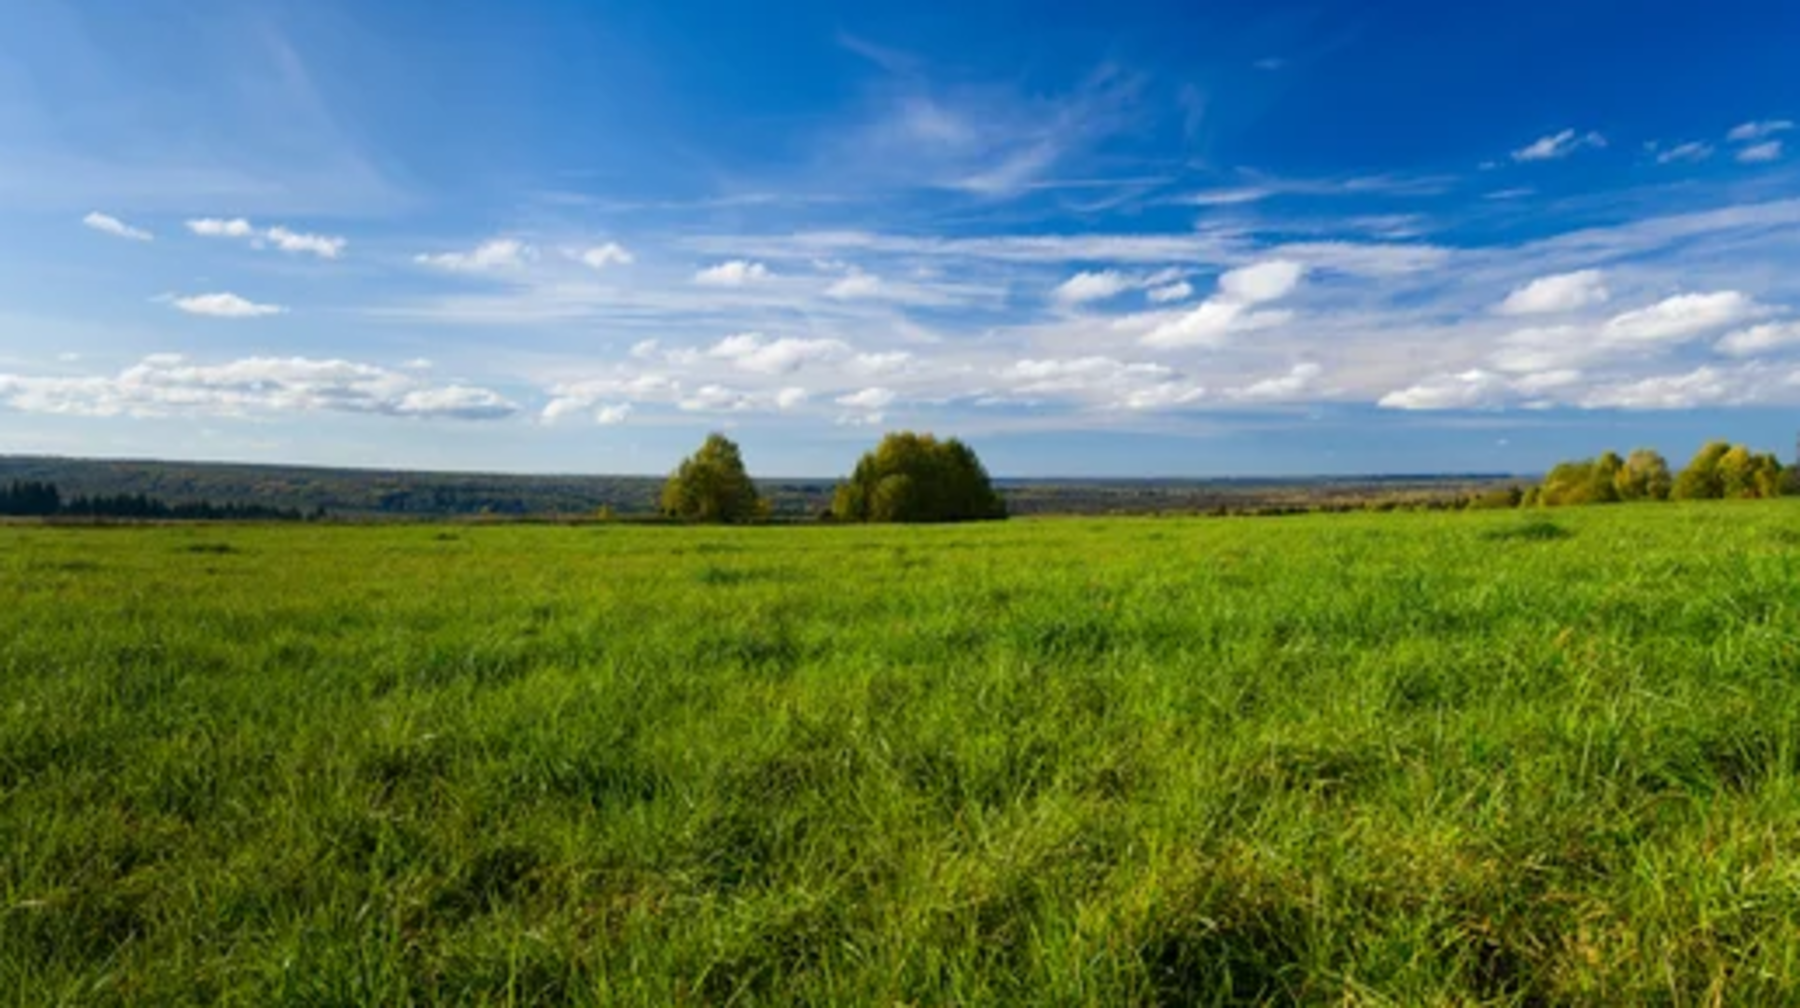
(33, 499)
(1719, 471)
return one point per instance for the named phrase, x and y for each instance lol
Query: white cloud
(1231, 310)
(1760, 339)
(1263, 282)
(1037, 377)
(1084, 287)
(1553, 294)
(755, 353)
(716, 399)
(1178, 291)
(1558, 146)
(1687, 153)
(857, 285)
(1751, 131)
(791, 398)
(1631, 335)
(498, 254)
(1703, 387)
(323, 246)
(457, 401)
(1679, 318)
(736, 273)
(1475, 389)
(1547, 349)
(1299, 381)
(1762, 153)
(213, 227)
(166, 385)
(609, 416)
(225, 305)
(881, 363)
(599, 257)
(1165, 395)
(1229, 197)
(868, 399)
(111, 225)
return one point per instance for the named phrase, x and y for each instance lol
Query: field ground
(1468, 758)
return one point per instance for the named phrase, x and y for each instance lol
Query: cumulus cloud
(1084, 287)
(323, 246)
(1760, 339)
(735, 273)
(1667, 323)
(1558, 146)
(1703, 387)
(600, 257)
(755, 353)
(1753, 131)
(225, 305)
(1762, 153)
(169, 385)
(1232, 309)
(108, 224)
(1554, 294)
(490, 256)
(1268, 281)
(1679, 318)
(213, 227)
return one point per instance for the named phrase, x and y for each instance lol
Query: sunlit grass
(1468, 758)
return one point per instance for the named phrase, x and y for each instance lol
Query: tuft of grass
(1345, 759)
(1532, 529)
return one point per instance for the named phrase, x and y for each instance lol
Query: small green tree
(917, 478)
(712, 485)
(1701, 480)
(1645, 476)
(1770, 478)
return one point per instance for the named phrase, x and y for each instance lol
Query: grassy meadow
(1482, 758)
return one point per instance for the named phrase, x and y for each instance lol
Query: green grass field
(1390, 759)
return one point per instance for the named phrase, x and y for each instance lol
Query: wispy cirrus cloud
(1557, 146)
(1758, 130)
(108, 224)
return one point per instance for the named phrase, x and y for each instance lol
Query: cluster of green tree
(1720, 471)
(907, 478)
(30, 499)
(917, 478)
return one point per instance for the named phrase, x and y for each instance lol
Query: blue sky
(1132, 238)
